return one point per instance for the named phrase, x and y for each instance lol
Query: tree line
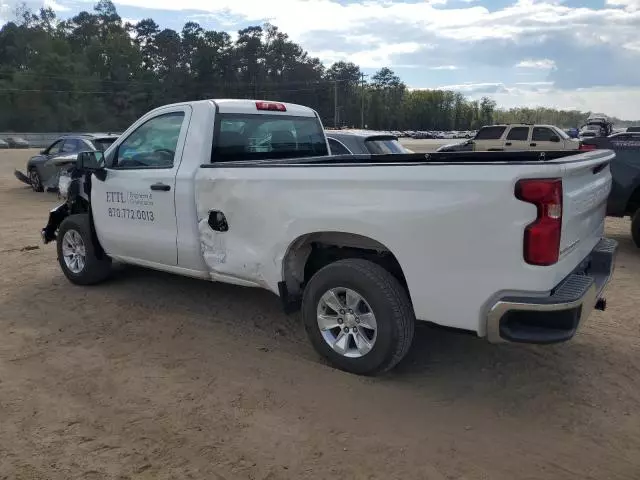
(96, 72)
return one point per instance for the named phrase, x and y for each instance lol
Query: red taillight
(587, 147)
(271, 106)
(542, 237)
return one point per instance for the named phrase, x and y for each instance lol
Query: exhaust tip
(601, 304)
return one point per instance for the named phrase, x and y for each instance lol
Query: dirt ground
(152, 376)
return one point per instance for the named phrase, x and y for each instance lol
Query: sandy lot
(151, 376)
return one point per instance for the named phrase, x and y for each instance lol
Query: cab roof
(251, 107)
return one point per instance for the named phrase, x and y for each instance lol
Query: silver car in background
(363, 142)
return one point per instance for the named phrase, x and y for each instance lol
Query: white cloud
(56, 7)
(444, 67)
(619, 102)
(132, 21)
(5, 12)
(544, 64)
(377, 57)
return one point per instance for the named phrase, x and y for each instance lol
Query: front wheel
(358, 316)
(635, 228)
(77, 255)
(35, 180)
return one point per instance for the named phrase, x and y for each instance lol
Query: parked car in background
(633, 129)
(624, 199)
(43, 169)
(17, 142)
(466, 146)
(572, 132)
(597, 125)
(363, 142)
(3, 144)
(516, 137)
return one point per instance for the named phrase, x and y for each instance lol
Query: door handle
(161, 187)
(532, 144)
(508, 144)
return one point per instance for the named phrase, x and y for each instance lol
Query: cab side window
(518, 134)
(542, 134)
(490, 133)
(152, 145)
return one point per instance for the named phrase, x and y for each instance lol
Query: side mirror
(92, 162)
(555, 138)
(43, 151)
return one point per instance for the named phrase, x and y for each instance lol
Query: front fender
(56, 216)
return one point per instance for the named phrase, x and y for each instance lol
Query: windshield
(382, 146)
(261, 137)
(102, 144)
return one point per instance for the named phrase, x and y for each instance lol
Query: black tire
(635, 228)
(388, 301)
(36, 181)
(97, 265)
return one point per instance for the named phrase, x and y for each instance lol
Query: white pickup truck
(508, 245)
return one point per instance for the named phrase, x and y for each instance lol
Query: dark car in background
(16, 142)
(363, 142)
(43, 170)
(3, 144)
(624, 199)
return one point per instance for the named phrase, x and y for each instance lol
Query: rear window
(490, 133)
(102, 144)
(384, 146)
(263, 137)
(518, 133)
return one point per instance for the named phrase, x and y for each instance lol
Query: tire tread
(98, 268)
(395, 296)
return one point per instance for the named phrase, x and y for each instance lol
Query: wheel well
(633, 203)
(311, 252)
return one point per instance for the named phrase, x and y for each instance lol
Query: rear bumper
(556, 317)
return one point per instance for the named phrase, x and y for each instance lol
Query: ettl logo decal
(115, 197)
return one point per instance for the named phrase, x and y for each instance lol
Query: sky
(567, 54)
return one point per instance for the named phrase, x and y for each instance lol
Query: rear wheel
(77, 255)
(358, 316)
(635, 228)
(35, 180)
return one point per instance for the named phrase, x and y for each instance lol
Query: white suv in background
(523, 137)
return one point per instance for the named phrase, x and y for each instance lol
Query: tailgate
(586, 184)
